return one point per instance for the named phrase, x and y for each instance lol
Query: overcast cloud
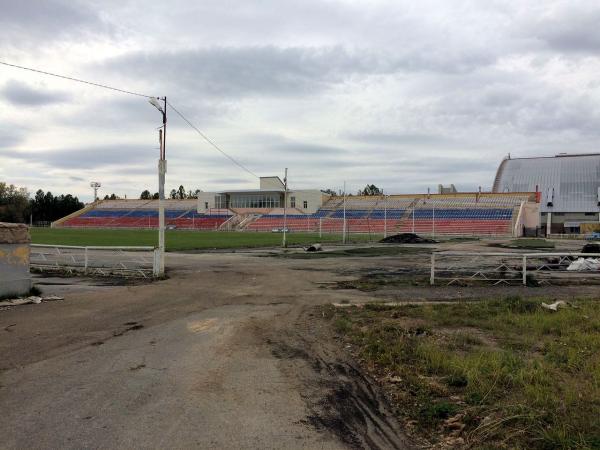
(401, 94)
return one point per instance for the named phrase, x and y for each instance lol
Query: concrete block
(14, 259)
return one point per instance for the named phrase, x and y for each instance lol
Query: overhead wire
(124, 91)
(207, 139)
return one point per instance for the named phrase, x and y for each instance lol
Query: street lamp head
(154, 102)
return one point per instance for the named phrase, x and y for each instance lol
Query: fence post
(156, 263)
(320, 227)
(432, 276)
(85, 263)
(524, 270)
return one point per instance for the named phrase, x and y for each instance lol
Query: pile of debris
(587, 264)
(592, 247)
(313, 248)
(407, 238)
(31, 299)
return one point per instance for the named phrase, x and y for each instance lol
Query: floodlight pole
(285, 189)
(344, 225)
(385, 216)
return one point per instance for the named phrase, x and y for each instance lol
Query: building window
(254, 201)
(590, 214)
(205, 205)
(305, 204)
(293, 202)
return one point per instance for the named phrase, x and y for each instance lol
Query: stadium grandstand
(457, 213)
(144, 214)
(567, 187)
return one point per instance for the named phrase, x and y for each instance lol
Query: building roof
(252, 191)
(574, 178)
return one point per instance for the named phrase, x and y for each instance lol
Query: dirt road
(224, 354)
(229, 352)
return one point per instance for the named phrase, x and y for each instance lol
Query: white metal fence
(509, 268)
(140, 262)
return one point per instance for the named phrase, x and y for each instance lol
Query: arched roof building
(569, 186)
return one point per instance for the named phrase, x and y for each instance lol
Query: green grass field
(180, 240)
(506, 373)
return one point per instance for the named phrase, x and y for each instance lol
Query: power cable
(76, 79)
(207, 139)
(124, 91)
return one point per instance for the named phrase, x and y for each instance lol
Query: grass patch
(180, 240)
(506, 373)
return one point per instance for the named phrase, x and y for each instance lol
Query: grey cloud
(570, 28)
(30, 20)
(233, 71)
(400, 139)
(21, 94)
(280, 71)
(12, 134)
(228, 180)
(88, 157)
(300, 149)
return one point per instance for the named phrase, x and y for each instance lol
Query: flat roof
(252, 191)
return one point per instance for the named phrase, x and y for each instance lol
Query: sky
(401, 94)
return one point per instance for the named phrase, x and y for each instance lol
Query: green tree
(146, 195)
(370, 189)
(14, 203)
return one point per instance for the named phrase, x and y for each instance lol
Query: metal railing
(139, 262)
(509, 268)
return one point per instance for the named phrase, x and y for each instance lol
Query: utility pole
(284, 243)
(344, 226)
(162, 170)
(385, 216)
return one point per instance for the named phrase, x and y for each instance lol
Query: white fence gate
(509, 268)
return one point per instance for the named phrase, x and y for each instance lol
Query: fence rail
(138, 262)
(509, 268)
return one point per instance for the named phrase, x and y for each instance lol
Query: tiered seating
(439, 214)
(144, 214)
(296, 222)
(457, 214)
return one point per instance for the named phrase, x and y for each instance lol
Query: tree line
(175, 194)
(17, 206)
(370, 189)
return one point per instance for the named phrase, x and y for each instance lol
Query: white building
(269, 195)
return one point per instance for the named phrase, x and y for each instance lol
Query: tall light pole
(284, 243)
(95, 185)
(385, 207)
(162, 170)
(344, 224)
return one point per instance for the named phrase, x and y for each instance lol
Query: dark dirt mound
(591, 248)
(407, 238)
